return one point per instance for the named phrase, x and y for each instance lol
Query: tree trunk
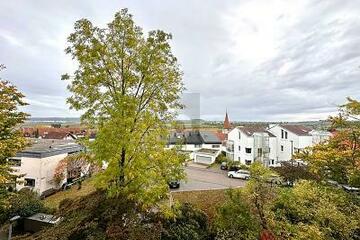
(121, 167)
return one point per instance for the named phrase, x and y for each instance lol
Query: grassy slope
(73, 193)
(208, 201)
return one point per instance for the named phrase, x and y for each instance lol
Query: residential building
(38, 162)
(193, 140)
(292, 139)
(251, 143)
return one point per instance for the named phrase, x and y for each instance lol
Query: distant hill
(49, 120)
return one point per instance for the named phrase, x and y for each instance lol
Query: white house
(194, 140)
(294, 138)
(38, 162)
(251, 143)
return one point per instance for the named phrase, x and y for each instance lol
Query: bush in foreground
(23, 203)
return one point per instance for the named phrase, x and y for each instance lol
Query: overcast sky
(260, 60)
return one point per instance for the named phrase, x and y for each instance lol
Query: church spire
(227, 122)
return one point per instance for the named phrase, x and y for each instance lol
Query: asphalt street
(200, 178)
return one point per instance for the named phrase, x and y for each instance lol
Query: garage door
(203, 159)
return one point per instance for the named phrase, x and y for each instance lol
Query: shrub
(23, 203)
(189, 223)
(222, 158)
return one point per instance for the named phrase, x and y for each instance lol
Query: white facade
(271, 146)
(289, 142)
(36, 165)
(41, 170)
(206, 156)
(247, 148)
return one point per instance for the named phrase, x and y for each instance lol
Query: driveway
(199, 178)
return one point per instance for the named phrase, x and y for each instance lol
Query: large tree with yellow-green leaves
(11, 139)
(128, 85)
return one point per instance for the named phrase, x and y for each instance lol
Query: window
(248, 150)
(30, 182)
(15, 162)
(215, 146)
(239, 148)
(239, 135)
(247, 162)
(239, 158)
(282, 148)
(286, 135)
(272, 161)
(198, 145)
(282, 133)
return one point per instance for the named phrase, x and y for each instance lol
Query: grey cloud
(315, 65)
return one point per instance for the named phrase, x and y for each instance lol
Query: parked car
(242, 174)
(174, 184)
(231, 166)
(223, 166)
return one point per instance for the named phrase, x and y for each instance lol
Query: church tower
(227, 125)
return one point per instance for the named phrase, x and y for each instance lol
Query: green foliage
(307, 211)
(222, 158)
(339, 158)
(250, 205)
(97, 216)
(312, 211)
(23, 203)
(128, 85)
(11, 139)
(235, 219)
(189, 223)
(290, 171)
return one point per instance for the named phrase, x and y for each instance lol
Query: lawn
(54, 200)
(208, 200)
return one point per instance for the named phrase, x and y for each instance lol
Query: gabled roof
(209, 137)
(193, 137)
(299, 130)
(250, 130)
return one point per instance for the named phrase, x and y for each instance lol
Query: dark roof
(41, 148)
(250, 130)
(210, 137)
(193, 137)
(299, 130)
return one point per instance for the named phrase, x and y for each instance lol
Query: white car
(243, 174)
